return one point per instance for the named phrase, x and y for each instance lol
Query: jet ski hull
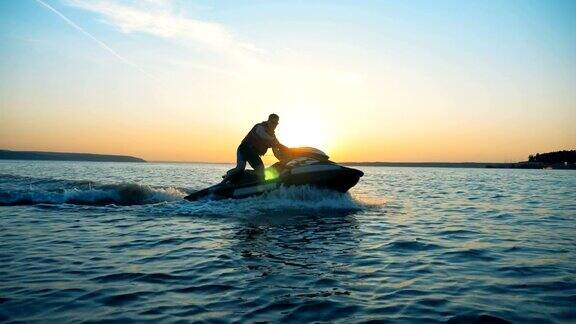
(341, 179)
(334, 177)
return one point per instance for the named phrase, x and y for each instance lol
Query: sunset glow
(185, 81)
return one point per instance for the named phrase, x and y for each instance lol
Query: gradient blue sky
(364, 80)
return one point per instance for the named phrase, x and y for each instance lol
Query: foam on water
(33, 191)
(299, 199)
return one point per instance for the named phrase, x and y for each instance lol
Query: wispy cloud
(160, 18)
(89, 35)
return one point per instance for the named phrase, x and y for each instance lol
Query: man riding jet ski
(258, 140)
(296, 166)
(299, 166)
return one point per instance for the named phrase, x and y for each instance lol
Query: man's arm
(278, 148)
(280, 151)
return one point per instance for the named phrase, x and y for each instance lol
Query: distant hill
(58, 156)
(564, 157)
(551, 160)
(562, 160)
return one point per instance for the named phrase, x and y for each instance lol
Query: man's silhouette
(260, 138)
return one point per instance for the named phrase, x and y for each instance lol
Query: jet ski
(300, 166)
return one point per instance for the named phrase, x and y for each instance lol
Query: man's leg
(256, 164)
(240, 166)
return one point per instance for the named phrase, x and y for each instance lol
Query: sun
(299, 133)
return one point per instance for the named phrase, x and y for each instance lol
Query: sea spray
(295, 199)
(56, 191)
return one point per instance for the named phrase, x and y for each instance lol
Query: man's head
(273, 120)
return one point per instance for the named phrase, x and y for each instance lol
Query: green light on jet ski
(270, 174)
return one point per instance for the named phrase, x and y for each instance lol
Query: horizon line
(348, 162)
(233, 162)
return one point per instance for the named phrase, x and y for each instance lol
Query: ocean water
(83, 241)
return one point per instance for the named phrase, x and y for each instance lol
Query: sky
(445, 81)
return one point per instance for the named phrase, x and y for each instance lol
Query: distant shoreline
(474, 165)
(462, 165)
(61, 156)
(385, 164)
(90, 157)
(424, 164)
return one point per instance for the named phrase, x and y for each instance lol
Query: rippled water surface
(85, 241)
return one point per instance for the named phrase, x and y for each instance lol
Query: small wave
(139, 277)
(86, 194)
(477, 319)
(478, 254)
(411, 245)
